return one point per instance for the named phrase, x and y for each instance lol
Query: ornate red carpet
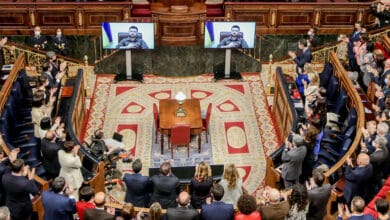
(241, 127)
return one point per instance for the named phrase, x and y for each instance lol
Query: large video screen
(229, 34)
(128, 35)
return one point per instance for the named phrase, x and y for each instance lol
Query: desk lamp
(180, 97)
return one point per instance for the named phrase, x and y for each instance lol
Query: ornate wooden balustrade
(271, 18)
(298, 17)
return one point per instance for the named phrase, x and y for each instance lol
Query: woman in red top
(247, 208)
(86, 201)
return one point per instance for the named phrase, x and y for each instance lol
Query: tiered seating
(16, 126)
(334, 144)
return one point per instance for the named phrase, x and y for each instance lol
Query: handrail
(355, 101)
(6, 89)
(75, 117)
(4, 93)
(386, 42)
(287, 124)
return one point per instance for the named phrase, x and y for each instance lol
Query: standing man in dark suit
(355, 36)
(165, 187)
(303, 57)
(18, 189)
(183, 211)
(37, 41)
(293, 155)
(58, 202)
(216, 209)
(138, 186)
(54, 80)
(319, 194)
(98, 213)
(357, 177)
(49, 149)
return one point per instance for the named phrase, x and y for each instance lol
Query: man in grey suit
(292, 157)
(319, 194)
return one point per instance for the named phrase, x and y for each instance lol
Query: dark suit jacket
(97, 214)
(302, 58)
(32, 40)
(58, 206)
(138, 188)
(50, 157)
(379, 161)
(18, 190)
(357, 180)
(217, 210)
(182, 213)
(318, 198)
(199, 191)
(165, 190)
(53, 83)
(292, 162)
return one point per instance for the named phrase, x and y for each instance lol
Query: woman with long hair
(200, 185)
(127, 212)
(232, 184)
(154, 213)
(299, 203)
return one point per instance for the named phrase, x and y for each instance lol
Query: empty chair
(156, 121)
(206, 122)
(180, 136)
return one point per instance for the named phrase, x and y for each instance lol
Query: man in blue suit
(358, 177)
(138, 186)
(303, 57)
(357, 208)
(58, 201)
(217, 210)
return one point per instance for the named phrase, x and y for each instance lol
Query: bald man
(183, 211)
(98, 213)
(358, 177)
(274, 208)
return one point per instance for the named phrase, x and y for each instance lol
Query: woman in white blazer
(70, 166)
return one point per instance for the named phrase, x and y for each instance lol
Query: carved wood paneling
(270, 18)
(288, 18)
(55, 19)
(14, 18)
(330, 18)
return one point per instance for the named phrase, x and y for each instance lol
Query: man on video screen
(132, 41)
(234, 40)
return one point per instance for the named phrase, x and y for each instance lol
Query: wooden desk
(168, 117)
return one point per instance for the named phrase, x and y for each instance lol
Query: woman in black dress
(200, 185)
